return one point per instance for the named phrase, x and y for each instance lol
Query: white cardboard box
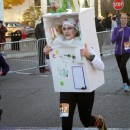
(68, 74)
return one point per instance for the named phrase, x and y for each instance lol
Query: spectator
(3, 30)
(84, 101)
(4, 68)
(99, 28)
(121, 36)
(108, 21)
(114, 23)
(40, 33)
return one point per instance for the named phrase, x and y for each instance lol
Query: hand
(1, 72)
(85, 52)
(121, 29)
(47, 49)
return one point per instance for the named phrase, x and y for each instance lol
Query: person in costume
(69, 100)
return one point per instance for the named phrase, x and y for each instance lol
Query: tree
(126, 8)
(9, 3)
(31, 15)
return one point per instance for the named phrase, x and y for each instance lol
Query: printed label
(127, 45)
(64, 110)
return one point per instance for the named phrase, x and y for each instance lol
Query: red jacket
(3, 30)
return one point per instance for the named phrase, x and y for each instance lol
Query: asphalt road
(30, 101)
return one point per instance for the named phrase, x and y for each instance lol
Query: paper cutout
(78, 77)
(64, 110)
(127, 45)
(62, 83)
(63, 71)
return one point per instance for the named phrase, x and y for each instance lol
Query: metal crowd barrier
(105, 44)
(42, 58)
(26, 56)
(21, 56)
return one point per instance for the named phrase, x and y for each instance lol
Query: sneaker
(43, 69)
(125, 87)
(101, 120)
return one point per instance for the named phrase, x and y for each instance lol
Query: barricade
(23, 60)
(105, 44)
(43, 60)
(29, 58)
(16, 36)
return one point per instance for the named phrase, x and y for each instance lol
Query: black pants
(41, 45)
(84, 102)
(121, 61)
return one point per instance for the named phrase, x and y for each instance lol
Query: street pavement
(29, 101)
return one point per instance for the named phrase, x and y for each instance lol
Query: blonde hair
(124, 14)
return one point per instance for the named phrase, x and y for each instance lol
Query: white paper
(78, 77)
(78, 56)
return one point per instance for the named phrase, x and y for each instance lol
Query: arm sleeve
(97, 62)
(115, 35)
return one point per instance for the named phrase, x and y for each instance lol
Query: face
(69, 32)
(123, 19)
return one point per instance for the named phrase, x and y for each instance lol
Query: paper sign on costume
(70, 71)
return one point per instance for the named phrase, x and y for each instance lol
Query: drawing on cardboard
(78, 77)
(70, 71)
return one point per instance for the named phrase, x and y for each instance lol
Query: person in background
(40, 33)
(108, 21)
(4, 68)
(99, 28)
(121, 36)
(84, 101)
(114, 23)
(3, 30)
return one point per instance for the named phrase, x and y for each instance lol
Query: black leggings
(121, 61)
(85, 103)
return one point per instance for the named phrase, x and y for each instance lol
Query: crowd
(109, 22)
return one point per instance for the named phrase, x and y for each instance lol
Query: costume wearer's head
(71, 22)
(69, 28)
